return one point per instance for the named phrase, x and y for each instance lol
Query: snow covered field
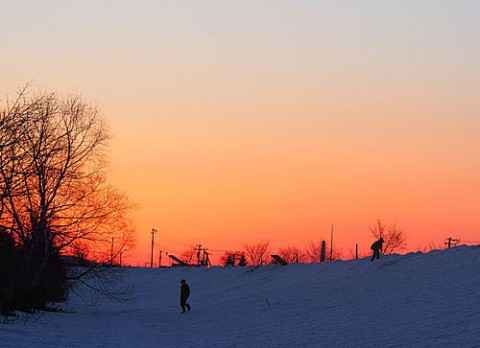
(413, 300)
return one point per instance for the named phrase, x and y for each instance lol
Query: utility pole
(331, 243)
(451, 241)
(198, 254)
(153, 243)
(202, 256)
(206, 259)
(160, 257)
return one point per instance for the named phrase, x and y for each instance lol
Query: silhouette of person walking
(184, 293)
(377, 248)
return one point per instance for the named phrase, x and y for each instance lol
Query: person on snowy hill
(377, 248)
(184, 293)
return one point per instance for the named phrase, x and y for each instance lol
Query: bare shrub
(394, 237)
(292, 254)
(257, 254)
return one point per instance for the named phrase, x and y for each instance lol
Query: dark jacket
(184, 292)
(377, 246)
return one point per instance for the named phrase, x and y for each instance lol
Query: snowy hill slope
(413, 300)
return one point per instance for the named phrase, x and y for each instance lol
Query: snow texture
(413, 300)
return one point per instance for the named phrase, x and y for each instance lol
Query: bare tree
(435, 246)
(242, 260)
(337, 253)
(394, 237)
(230, 258)
(292, 254)
(313, 251)
(257, 254)
(352, 254)
(189, 255)
(55, 196)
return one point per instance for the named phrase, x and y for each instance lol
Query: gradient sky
(241, 121)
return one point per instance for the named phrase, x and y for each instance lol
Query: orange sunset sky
(241, 121)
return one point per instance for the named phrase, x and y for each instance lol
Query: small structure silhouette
(177, 260)
(279, 260)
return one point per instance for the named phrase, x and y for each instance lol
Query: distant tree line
(256, 254)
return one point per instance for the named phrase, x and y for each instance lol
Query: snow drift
(412, 300)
